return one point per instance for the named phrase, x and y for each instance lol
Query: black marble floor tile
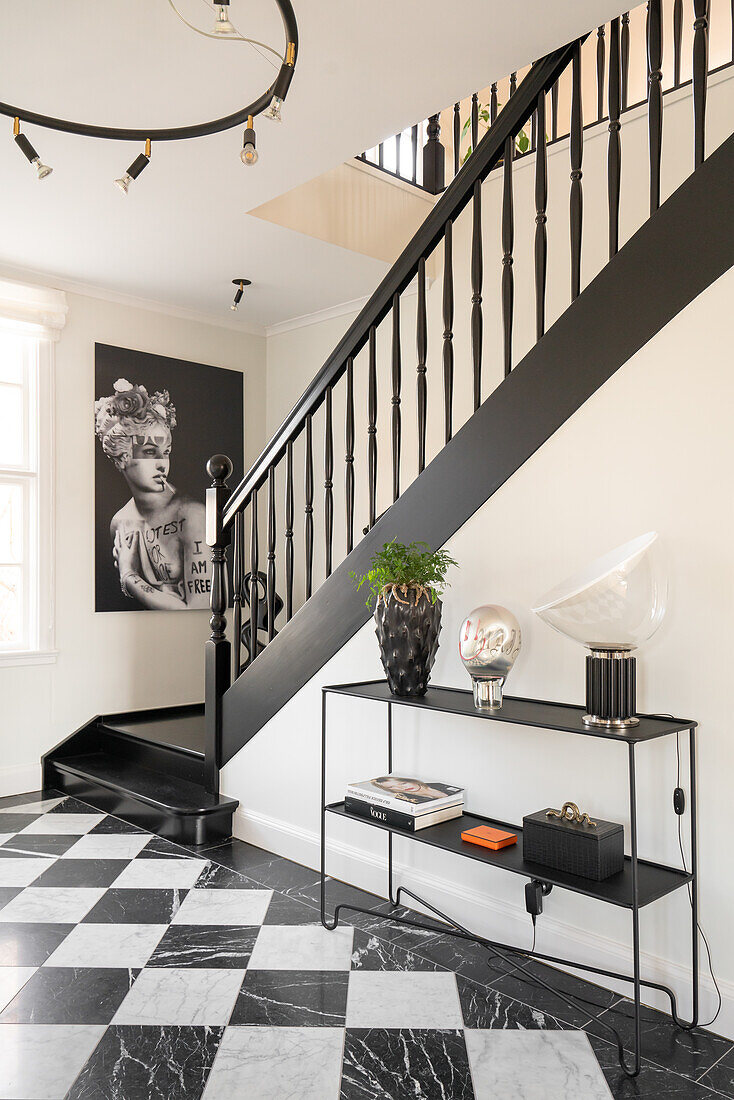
(65, 995)
(689, 1053)
(13, 823)
(28, 844)
(285, 998)
(284, 875)
(591, 999)
(381, 1064)
(74, 806)
(485, 1007)
(215, 877)
(653, 1083)
(286, 910)
(210, 946)
(370, 952)
(158, 848)
(721, 1076)
(30, 796)
(136, 907)
(464, 957)
(376, 920)
(7, 893)
(24, 944)
(112, 824)
(237, 855)
(82, 872)
(148, 1063)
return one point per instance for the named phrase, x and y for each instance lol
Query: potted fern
(405, 583)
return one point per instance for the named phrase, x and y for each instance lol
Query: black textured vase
(408, 637)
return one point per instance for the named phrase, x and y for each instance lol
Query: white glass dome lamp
(611, 606)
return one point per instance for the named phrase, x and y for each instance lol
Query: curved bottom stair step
(174, 808)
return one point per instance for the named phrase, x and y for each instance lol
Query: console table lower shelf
(640, 883)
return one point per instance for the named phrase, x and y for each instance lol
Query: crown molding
(87, 290)
(330, 312)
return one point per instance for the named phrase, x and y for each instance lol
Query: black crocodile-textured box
(579, 849)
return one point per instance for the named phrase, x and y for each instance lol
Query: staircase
(161, 768)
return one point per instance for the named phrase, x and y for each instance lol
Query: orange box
(488, 837)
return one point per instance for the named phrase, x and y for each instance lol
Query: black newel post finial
(217, 668)
(434, 158)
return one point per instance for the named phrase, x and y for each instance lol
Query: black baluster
(614, 154)
(396, 384)
(421, 340)
(289, 512)
(541, 218)
(381, 155)
(534, 132)
(414, 149)
(655, 96)
(508, 238)
(448, 331)
(513, 83)
(372, 426)
(677, 40)
(254, 577)
(434, 157)
(397, 154)
(328, 480)
(271, 553)
(493, 103)
(554, 112)
(576, 203)
(474, 121)
(625, 56)
(238, 574)
(308, 507)
(477, 276)
(217, 648)
(600, 66)
(700, 77)
(349, 455)
(457, 138)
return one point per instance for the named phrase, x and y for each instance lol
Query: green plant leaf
(413, 565)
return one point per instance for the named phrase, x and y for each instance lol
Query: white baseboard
(493, 918)
(19, 779)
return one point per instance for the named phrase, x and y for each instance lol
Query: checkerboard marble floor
(134, 969)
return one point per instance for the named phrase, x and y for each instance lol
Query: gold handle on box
(569, 811)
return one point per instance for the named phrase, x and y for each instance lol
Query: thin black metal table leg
(635, 906)
(694, 880)
(393, 900)
(323, 809)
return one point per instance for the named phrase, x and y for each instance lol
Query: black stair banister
(674, 256)
(700, 77)
(349, 456)
(541, 218)
(508, 239)
(289, 531)
(655, 96)
(614, 154)
(576, 147)
(421, 340)
(217, 649)
(624, 50)
(448, 331)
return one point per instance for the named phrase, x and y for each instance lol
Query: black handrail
(457, 195)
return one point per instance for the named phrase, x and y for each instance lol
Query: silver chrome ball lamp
(612, 606)
(489, 642)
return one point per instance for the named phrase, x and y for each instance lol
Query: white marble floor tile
(41, 1061)
(159, 874)
(66, 824)
(403, 999)
(32, 807)
(302, 947)
(51, 905)
(239, 907)
(104, 945)
(17, 871)
(534, 1065)
(12, 980)
(107, 845)
(181, 996)
(272, 1063)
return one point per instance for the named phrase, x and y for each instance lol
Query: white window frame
(38, 315)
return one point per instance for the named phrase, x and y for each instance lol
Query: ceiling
(183, 233)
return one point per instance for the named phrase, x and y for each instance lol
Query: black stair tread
(186, 731)
(176, 796)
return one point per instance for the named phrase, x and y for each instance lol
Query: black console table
(638, 884)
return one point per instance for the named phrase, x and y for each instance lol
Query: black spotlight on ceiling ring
(269, 103)
(240, 284)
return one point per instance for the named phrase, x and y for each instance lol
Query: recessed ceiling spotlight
(29, 152)
(240, 284)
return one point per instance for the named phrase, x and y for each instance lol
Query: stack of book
(403, 802)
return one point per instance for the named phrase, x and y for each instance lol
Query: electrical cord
(225, 38)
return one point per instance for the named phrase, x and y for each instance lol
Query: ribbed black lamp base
(611, 682)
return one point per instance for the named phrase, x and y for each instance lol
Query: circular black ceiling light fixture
(240, 284)
(268, 104)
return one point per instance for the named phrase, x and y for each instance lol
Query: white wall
(110, 662)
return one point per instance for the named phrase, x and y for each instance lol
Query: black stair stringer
(683, 248)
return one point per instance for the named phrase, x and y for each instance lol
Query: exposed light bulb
(141, 162)
(222, 24)
(273, 111)
(29, 152)
(124, 182)
(42, 169)
(249, 154)
(234, 306)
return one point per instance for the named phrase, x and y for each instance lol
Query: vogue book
(410, 822)
(406, 795)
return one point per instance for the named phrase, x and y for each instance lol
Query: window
(26, 498)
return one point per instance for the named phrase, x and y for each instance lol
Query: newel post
(434, 158)
(218, 657)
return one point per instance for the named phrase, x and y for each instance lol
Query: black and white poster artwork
(157, 421)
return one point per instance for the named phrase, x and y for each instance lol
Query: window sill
(28, 657)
